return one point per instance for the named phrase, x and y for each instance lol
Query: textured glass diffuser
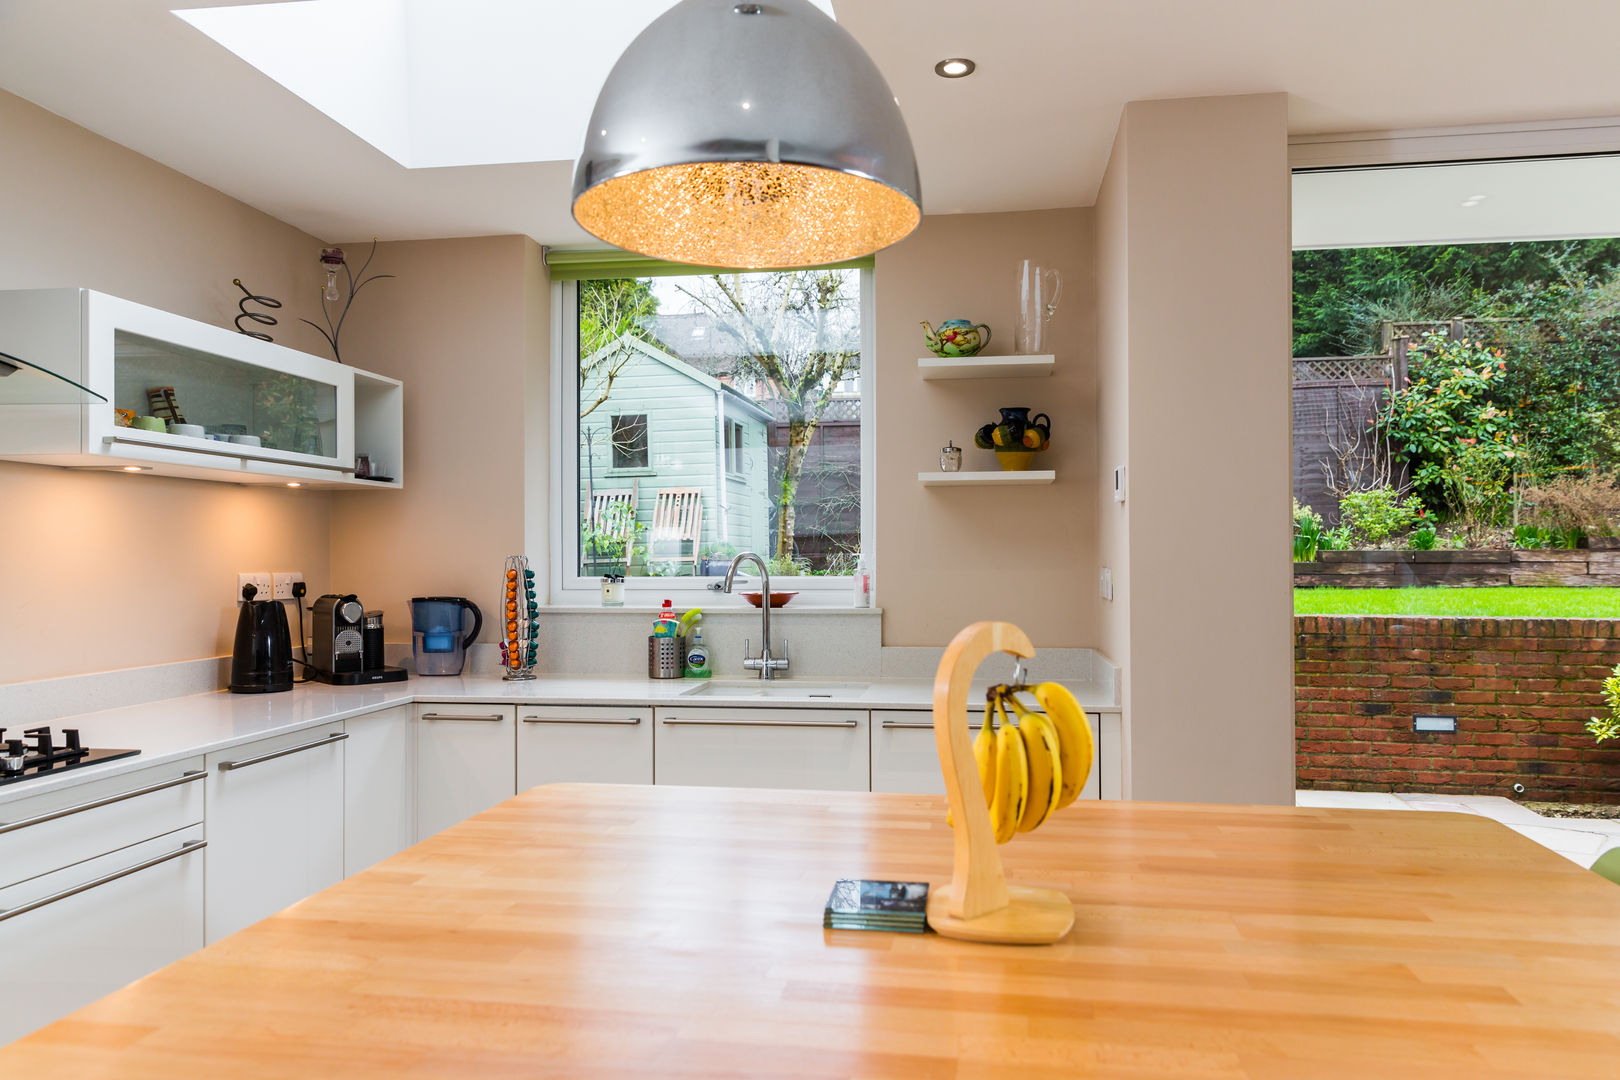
(755, 136)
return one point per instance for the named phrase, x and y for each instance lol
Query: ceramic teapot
(956, 337)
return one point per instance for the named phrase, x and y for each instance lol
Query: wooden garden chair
(677, 519)
(602, 502)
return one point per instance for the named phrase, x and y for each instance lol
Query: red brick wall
(1521, 690)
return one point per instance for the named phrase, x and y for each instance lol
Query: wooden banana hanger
(978, 904)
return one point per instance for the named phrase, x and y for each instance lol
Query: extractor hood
(22, 383)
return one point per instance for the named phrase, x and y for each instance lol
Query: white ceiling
(1031, 129)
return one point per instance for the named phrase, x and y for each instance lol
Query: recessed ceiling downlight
(957, 67)
(818, 168)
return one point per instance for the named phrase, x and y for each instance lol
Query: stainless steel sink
(777, 690)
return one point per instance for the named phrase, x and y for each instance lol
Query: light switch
(1119, 483)
(1105, 584)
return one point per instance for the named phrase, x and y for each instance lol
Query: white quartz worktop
(182, 727)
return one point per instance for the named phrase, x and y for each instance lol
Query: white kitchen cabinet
(100, 883)
(769, 748)
(81, 932)
(466, 762)
(905, 758)
(379, 787)
(275, 825)
(309, 415)
(586, 744)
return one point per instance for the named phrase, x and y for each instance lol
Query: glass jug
(1038, 289)
(439, 638)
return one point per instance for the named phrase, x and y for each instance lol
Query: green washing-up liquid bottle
(697, 657)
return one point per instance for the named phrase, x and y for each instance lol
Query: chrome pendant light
(754, 136)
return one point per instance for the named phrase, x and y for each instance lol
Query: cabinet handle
(34, 905)
(921, 724)
(762, 723)
(183, 778)
(497, 718)
(579, 720)
(227, 766)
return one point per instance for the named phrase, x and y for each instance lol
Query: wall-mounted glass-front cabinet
(179, 397)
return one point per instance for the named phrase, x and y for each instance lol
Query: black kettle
(261, 662)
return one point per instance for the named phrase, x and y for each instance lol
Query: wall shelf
(937, 368)
(986, 479)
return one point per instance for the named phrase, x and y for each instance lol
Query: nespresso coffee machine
(345, 646)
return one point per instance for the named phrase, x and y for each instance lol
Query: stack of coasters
(900, 906)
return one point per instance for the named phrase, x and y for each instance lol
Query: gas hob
(37, 754)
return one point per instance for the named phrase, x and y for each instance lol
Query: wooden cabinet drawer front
(75, 935)
(588, 744)
(67, 826)
(773, 748)
(905, 757)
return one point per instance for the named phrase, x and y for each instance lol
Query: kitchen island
(665, 931)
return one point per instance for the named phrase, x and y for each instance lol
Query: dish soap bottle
(665, 624)
(697, 657)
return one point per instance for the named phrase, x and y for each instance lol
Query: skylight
(434, 83)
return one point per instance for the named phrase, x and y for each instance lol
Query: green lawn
(1541, 601)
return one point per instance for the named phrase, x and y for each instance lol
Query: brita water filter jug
(439, 634)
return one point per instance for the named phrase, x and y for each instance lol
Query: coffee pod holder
(520, 633)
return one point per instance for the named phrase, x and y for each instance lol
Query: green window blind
(602, 264)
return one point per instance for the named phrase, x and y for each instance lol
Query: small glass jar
(950, 458)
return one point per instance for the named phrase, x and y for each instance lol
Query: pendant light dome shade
(752, 136)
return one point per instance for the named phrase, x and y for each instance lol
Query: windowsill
(647, 471)
(738, 477)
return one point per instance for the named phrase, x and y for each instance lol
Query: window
(752, 383)
(734, 448)
(630, 441)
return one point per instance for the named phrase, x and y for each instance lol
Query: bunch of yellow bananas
(1035, 764)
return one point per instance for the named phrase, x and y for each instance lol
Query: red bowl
(777, 598)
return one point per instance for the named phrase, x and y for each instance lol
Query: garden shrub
(1448, 405)
(1587, 503)
(1603, 728)
(1376, 515)
(1423, 535)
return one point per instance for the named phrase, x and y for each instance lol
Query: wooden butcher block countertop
(582, 930)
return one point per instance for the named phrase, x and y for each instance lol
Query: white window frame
(571, 589)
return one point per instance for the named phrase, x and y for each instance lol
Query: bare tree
(799, 332)
(1363, 456)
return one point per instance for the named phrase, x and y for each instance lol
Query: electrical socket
(259, 580)
(283, 583)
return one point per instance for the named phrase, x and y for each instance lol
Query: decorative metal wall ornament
(254, 316)
(749, 136)
(332, 260)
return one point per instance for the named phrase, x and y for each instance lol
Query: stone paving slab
(1580, 840)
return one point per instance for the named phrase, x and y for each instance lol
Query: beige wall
(949, 556)
(1113, 417)
(1202, 320)
(106, 571)
(457, 324)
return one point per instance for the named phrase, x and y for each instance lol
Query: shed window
(630, 441)
(734, 447)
